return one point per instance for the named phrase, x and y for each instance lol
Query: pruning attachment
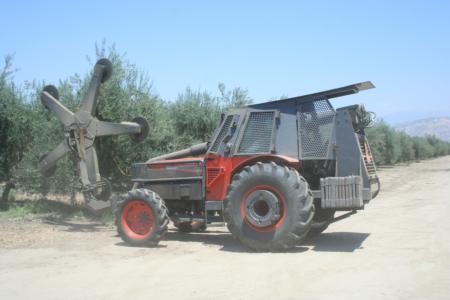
(81, 129)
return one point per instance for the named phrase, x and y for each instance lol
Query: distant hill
(440, 127)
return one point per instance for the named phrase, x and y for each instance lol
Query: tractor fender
(279, 159)
(220, 170)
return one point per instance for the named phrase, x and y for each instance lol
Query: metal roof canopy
(334, 93)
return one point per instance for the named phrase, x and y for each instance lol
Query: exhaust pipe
(192, 151)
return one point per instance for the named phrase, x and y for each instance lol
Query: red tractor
(275, 172)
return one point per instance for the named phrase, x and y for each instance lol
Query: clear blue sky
(271, 48)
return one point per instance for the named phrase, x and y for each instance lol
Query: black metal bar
(189, 218)
(214, 205)
(167, 179)
(334, 93)
(192, 151)
(344, 216)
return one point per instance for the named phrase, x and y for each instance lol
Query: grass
(32, 209)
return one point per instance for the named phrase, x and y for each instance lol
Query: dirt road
(397, 248)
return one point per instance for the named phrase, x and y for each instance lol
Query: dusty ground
(398, 248)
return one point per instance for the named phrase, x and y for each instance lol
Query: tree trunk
(73, 197)
(4, 204)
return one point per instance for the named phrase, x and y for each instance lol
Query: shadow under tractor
(275, 172)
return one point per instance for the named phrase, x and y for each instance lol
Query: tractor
(275, 172)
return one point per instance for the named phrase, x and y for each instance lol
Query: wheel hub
(262, 208)
(138, 218)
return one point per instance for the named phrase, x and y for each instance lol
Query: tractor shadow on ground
(337, 241)
(326, 242)
(73, 225)
(123, 244)
(210, 237)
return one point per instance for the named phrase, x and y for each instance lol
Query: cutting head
(81, 129)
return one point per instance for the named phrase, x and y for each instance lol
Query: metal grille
(222, 133)
(212, 174)
(258, 133)
(316, 126)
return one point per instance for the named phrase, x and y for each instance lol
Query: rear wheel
(269, 207)
(141, 217)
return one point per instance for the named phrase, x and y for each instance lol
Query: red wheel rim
(137, 219)
(274, 226)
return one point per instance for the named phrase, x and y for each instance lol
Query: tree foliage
(15, 124)
(390, 146)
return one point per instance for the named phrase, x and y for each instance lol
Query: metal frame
(244, 126)
(334, 93)
(81, 129)
(329, 154)
(236, 117)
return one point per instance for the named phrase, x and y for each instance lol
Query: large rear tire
(141, 217)
(269, 207)
(322, 219)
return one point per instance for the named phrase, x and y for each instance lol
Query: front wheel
(141, 218)
(269, 207)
